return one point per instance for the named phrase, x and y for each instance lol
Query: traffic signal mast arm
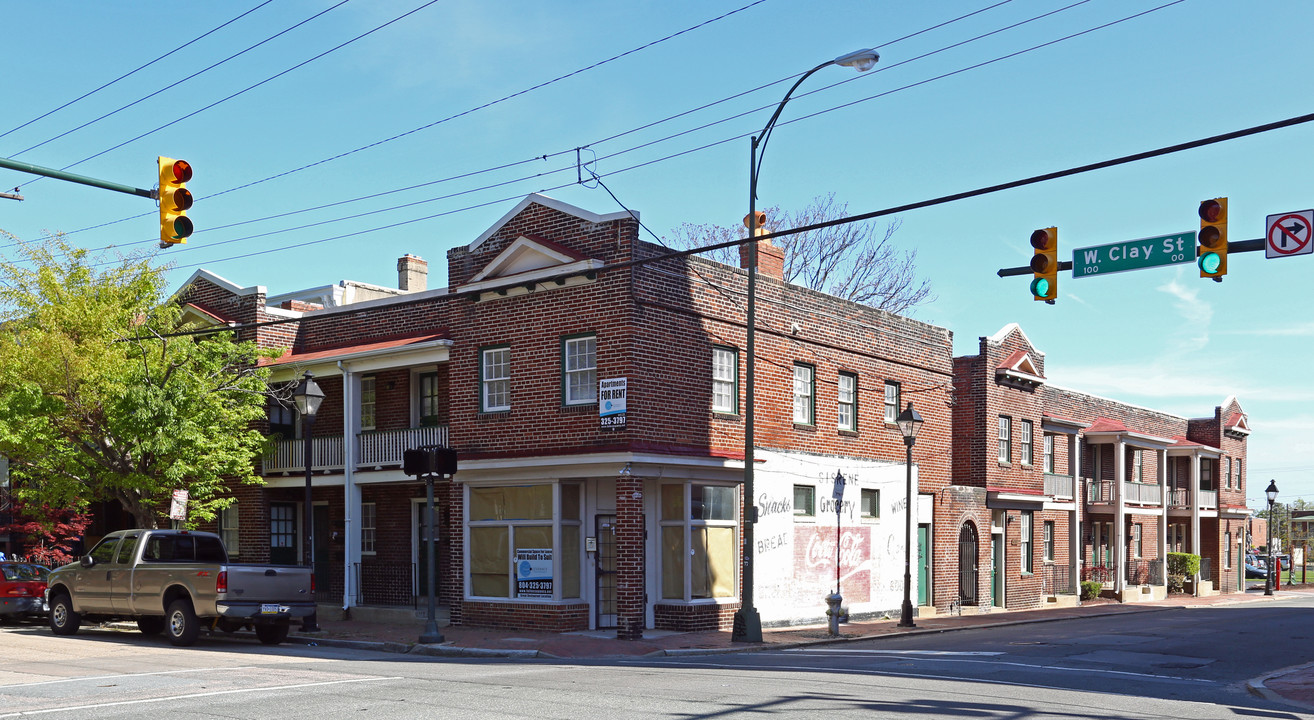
(71, 177)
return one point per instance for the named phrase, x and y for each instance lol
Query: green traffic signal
(1040, 287)
(1210, 262)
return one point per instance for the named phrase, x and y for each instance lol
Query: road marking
(126, 675)
(171, 698)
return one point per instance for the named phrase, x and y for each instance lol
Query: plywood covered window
(700, 541)
(509, 524)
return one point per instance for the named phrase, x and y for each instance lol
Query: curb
(1259, 686)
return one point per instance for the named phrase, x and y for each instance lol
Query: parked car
(169, 581)
(1256, 567)
(22, 590)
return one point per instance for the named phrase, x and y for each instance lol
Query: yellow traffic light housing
(1213, 239)
(175, 200)
(1044, 265)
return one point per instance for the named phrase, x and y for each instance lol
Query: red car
(22, 590)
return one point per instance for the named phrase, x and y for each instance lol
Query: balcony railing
(1208, 498)
(1145, 572)
(374, 449)
(1099, 491)
(385, 447)
(1179, 498)
(1059, 486)
(385, 583)
(1142, 493)
(289, 455)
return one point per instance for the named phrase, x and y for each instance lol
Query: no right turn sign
(1287, 234)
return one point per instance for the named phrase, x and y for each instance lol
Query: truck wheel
(150, 625)
(181, 623)
(63, 620)
(271, 634)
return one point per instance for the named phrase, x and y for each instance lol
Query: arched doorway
(967, 564)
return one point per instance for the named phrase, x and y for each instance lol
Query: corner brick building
(577, 508)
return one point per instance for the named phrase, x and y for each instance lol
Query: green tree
(98, 402)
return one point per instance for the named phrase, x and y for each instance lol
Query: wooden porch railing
(374, 449)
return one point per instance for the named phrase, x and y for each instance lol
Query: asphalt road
(1169, 664)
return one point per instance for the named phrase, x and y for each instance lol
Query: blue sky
(483, 103)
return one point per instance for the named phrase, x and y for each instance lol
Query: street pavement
(1294, 684)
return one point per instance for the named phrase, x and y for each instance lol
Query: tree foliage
(848, 260)
(97, 403)
(47, 533)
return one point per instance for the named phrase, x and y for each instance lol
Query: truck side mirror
(86, 561)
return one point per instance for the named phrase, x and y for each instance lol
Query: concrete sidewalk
(1294, 685)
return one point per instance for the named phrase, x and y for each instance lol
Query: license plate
(269, 609)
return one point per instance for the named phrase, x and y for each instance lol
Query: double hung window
(495, 379)
(804, 394)
(579, 370)
(725, 380)
(847, 398)
(1005, 438)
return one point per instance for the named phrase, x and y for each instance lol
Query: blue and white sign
(534, 572)
(611, 402)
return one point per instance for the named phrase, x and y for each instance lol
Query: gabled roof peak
(553, 203)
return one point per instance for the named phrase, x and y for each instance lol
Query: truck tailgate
(268, 583)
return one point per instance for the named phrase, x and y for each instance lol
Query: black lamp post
(909, 422)
(1272, 493)
(747, 623)
(308, 396)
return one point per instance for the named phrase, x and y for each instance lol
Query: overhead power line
(1091, 167)
(132, 72)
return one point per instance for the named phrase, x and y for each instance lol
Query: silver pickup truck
(176, 581)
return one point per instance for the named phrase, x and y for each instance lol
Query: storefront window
(514, 551)
(700, 541)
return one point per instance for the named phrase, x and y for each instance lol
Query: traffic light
(1044, 265)
(1213, 239)
(175, 200)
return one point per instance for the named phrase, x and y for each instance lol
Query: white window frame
(579, 370)
(846, 400)
(1138, 465)
(725, 380)
(1136, 541)
(495, 379)
(689, 523)
(1028, 456)
(1005, 453)
(874, 493)
(1227, 472)
(1027, 543)
(1047, 537)
(368, 527)
(891, 401)
(368, 402)
(1049, 454)
(805, 394)
(230, 530)
(557, 521)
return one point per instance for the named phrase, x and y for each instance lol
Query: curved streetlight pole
(747, 623)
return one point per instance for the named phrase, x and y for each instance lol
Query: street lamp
(1272, 493)
(909, 422)
(747, 623)
(308, 396)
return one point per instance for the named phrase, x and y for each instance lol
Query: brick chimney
(412, 273)
(770, 259)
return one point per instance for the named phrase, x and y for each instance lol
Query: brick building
(563, 516)
(1051, 485)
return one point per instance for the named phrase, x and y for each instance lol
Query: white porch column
(1194, 495)
(1162, 456)
(1074, 521)
(1119, 518)
(350, 492)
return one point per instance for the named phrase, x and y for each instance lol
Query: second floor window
(579, 365)
(429, 398)
(891, 401)
(495, 379)
(1005, 438)
(804, 392)
(282, 419)
(1049, 453)
(725, 380)
(847, 397)
(367, 403)
(1138, 466)
(1027, 456)
(1227, 472)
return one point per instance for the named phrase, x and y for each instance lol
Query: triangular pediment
(525, 255)
(1019, 368)
(1237, 425)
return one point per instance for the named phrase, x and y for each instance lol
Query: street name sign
(1288, 234)
(1134, 254)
